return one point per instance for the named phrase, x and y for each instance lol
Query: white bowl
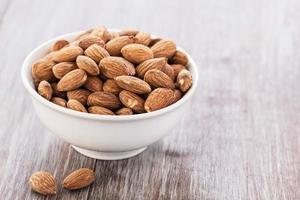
(100, 136)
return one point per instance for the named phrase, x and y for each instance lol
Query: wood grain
(240, 139)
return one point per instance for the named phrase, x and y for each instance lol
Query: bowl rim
(26, 82)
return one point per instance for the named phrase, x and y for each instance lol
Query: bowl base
(109, 155)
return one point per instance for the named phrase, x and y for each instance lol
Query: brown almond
(61, 69)
(164, 48)
(43, 183)
(93, 84)
(57, 93)
(167, 69)
(177, 68)
(67, 54)
(155, 63)
(128, 32)
(115, 45)
(59, 45)
(45, 90)
(76, 105)
(102, 33)
(154, 41)
(59, 101)
(136, 53)
(133, 101)
(80, 95)
(158, 99)
(88, 41)
(104, 99)
(157, 78)
(42, 70)
(87, 64)
(124, 111)
(133, 84)
(79, 179)
(96, 52)
(112, 67)
(72, 80)
(50, 56)
(184, 80)
(142, 38)
(83, 35)
(111, 86)
(177, 95)
(179, 58)
(100, 110)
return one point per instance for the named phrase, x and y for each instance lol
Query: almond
(59, 101)
(136, 53)
(102, 33)
(72, 80)
(104, 99)
(115, 45)
(59, 45)
(42, 70)
(167, 69)
(158, 99)
(45, 90)
(179, 58)
(43, 183)
(154, 41)
(157, 78)
(177, 95)
(80, 95)
(112, 67)
(87, 64)
(96, 52)
(124, 111)
(164, 48)
(111, 86)
(67, 54)
(57, 93)
(79, 179)
(76, 105)
(83, 35)
(93, 84)
(128, 32)
(88, 41)
(133, 101)
(177, 68)
(133, 84)
(184, 80)
(142, 38)
(50, 56)
(155, 63)
(100, 110)
(61, 69)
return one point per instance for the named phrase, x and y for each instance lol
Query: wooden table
(240, 139)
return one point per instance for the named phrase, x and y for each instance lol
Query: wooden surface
(240, 139)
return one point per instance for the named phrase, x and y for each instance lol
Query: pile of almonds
(113, 73)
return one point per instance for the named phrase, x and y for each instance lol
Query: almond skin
(177, 95)
(124, 111)
(59, 101)
(104, 99)
(76, 105)
(61, 69)
(128, 32)
(96, 52)
(157, 78)
(158, 99)
(87, 64)
(45, 90)
(115, 45)
(72, 80)
(184, 80)
(67, 54)
(133, 101)
(79, 179)
(164, 48)
(136, 53)
(179, 58)
(102, 33)
(155, 63)
(154, 41)
(88, 41)
(59, 45)
(167, 69)
(111, 86)
(142, 38)
(133, 84)
(177, 68)
(100, 110)
(57, 93)
(80, 95)
(42, 70)
(112, 67)
(93, 84)
(43, 183)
